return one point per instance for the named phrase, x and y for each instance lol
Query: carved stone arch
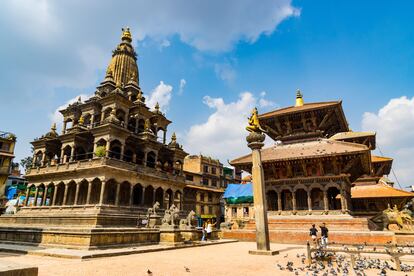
(315, 185)
(331, 184)
(300, 186)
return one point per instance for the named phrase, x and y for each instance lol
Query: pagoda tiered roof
(377, 191)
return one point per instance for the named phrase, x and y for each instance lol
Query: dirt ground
(223, 259)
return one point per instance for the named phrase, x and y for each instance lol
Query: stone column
(134, 158)
(279, 201)
(72, 153)
(44, 196)
(343, 204)
(92, 120)
(54, 195)
(65, 194)
(62, 156)
(35, 197)
(309, 201)
(108, 147)
(101, 197)
(143, 196)
(118, 188)
(88, 196)
(131, 195)
(294, 201)
(153, 198)
(122, 152)
(325, 201)
(76, 194)
(255, 143)
(26, 200)
(44, 159)
(164, 138)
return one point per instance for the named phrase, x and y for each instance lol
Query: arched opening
(67, 151)
(334, 201)
(159, 194)
(115, 149)
(140, 157)
(120, 115)
(128, 155)
(107, 112)
(69, 123)
(40, 194)
(49, 194)
(131, 124)
(301, 199)
(70, 196)
(178, 165)
(95, 191)
(287, 200)
(178, 199)
(271, 198)
(160, 137)
(168, 199)
(80, 153)
(137, 195)
(151, 159)
(87, 119)
(83, 192)
(317, 199)
(38, 158)
(124, 191)
(149, 196)
(141, 125)
(110, 192)
(60, 192)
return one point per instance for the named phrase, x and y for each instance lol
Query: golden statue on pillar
(254, 124)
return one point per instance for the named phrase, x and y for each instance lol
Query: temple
(320, 170)
(90, 184)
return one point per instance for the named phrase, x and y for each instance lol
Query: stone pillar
(153, 198)
(131, 195)
(92, 120)
(134, 158)
(88, 196)
(72, 153)
(143, 196)
(62, 156)
(44, 159)
(76, 194)
(294, 201)
(136, 124)
(64, 127)
(343, 207)
(44, 196)
(101, 197)
(164, 138)
(325, 201)
(255, 143)
(35, 197)
(108, 147)
(26, 200)
(65, 194)
(54, 195)
(122, 152)
(309, 201)
(279, 201)
(118, 188)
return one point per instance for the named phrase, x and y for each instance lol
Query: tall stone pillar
(143, 196)
(255, 142)
(294, 201)
(153, 198)
(118, 188)
(88, 196)
(36, 195)
(76, 194)
(325, 201)
(26, 200)
(309, 201)
(279, 201)
(65, 194)
(101, 197)
(131, 195)
(54, 195)
(72, 153)
(44, 196)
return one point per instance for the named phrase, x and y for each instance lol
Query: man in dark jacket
(313, 232)
(324, 235)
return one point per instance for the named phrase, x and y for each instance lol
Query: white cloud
(161, 95)
(223, 135)
(264, 102)
(394, 124)
(225, 72)
(56, 116)
(183, 82)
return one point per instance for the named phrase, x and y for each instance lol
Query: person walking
(313, 232)
(324, 235)
(204, 237)
(209, 228)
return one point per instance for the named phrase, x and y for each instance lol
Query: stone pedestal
(255, 142)
(170, 236)
(154, 221)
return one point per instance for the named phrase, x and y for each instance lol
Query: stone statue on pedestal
(187, 222)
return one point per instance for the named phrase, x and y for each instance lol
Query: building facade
(7, 143)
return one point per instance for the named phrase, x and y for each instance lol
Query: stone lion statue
(187, 221)
(393, 216)
(171, 215)
(153, 210)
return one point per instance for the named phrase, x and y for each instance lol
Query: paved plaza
(222, 259)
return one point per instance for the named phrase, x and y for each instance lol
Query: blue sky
(227, 56)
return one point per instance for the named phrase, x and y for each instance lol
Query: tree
(26, 163)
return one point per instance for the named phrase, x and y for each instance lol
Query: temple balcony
(100, 162)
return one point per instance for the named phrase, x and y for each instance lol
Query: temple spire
(299, 98)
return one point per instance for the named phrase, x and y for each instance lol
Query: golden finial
(157, 107)
(81, 120)
(126, 34)
(254, 124)
(299, 98)
(173, 137)
(53, 128)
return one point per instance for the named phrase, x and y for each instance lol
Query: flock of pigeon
(325, 264)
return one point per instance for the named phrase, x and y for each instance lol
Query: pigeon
(286, 256)
(186, 269)
(149, 272)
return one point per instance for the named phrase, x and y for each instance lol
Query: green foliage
(26, 163)
(100, 151)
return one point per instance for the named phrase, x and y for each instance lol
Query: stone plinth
(12, 269)
(154, 221)
(171, 236)
(264, 252)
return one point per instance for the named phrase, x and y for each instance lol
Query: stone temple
(93, 181)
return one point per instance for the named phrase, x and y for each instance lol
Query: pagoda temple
(319, 170)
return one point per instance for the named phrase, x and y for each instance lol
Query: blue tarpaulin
(239, 193)
(11, 192)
